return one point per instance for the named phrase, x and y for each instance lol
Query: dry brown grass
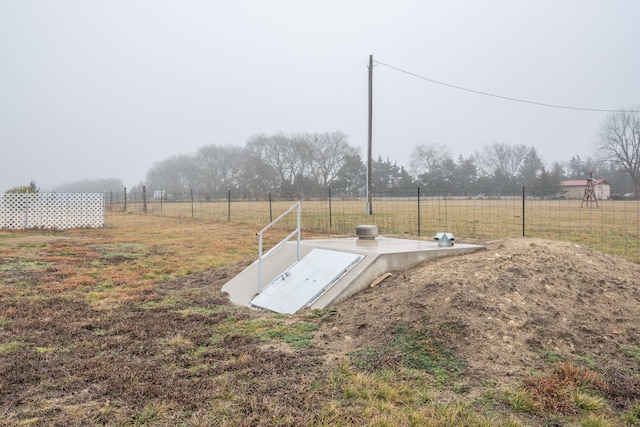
(127, 326)
(612, 227)
(90, 332)
(560, 391)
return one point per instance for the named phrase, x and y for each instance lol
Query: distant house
(574, 189)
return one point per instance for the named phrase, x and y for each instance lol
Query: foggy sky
(104, 89)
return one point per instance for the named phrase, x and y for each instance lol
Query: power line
(508, 98)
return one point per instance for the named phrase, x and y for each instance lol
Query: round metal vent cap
(367, 232)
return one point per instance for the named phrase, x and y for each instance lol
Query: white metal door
(306, 280)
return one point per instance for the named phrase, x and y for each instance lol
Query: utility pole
(369, 155)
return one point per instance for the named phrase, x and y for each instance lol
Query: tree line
(304, 164)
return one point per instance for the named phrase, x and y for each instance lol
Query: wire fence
(606, 225)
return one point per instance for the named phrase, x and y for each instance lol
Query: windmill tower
(589, 196)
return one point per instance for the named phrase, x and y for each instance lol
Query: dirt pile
(505, 310)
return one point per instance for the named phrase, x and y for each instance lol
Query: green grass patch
(18, 264)
(422, 350)
(116, 254)
(187, 303)
(523, 401)
(596, 420)
(166, 301)
(414, 348)
(156, 275)
(8, 236)
(322, 314)
(10, 346)
(588, 402)
(296, 334)
(632, 417)
(367, 358)
(31, 245)
(106, 247)
(118, 250)
(198, 310)
(631, 351)
(392, 398)
(551, 356)
(587, 361)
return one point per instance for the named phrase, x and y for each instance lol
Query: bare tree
(501, 163)
(581, 168)
(258, 174)
(218, 167)
(208, 162)
(329, 153)
(433, 166)
(288, 157)
(175, 174)
(299, 156)
(428, 158)
(619, 140)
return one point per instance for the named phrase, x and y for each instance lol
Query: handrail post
(260, 262)
(270, 251)
(298, 229)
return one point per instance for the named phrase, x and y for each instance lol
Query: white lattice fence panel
(12, 212)
(51, 210)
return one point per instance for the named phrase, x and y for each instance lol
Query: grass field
(116, 326)
(612, 227)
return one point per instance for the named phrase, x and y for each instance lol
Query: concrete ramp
(306, 280)
(379, 256)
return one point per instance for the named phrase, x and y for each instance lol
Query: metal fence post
(191, 191)
(418, 211)
(144, 199)
(330, 218)
(523, 210)
(228, 204)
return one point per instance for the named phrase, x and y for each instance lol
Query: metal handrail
(282, 242)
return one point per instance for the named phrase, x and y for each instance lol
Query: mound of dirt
(505, 310)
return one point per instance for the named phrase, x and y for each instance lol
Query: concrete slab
(382, 255)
